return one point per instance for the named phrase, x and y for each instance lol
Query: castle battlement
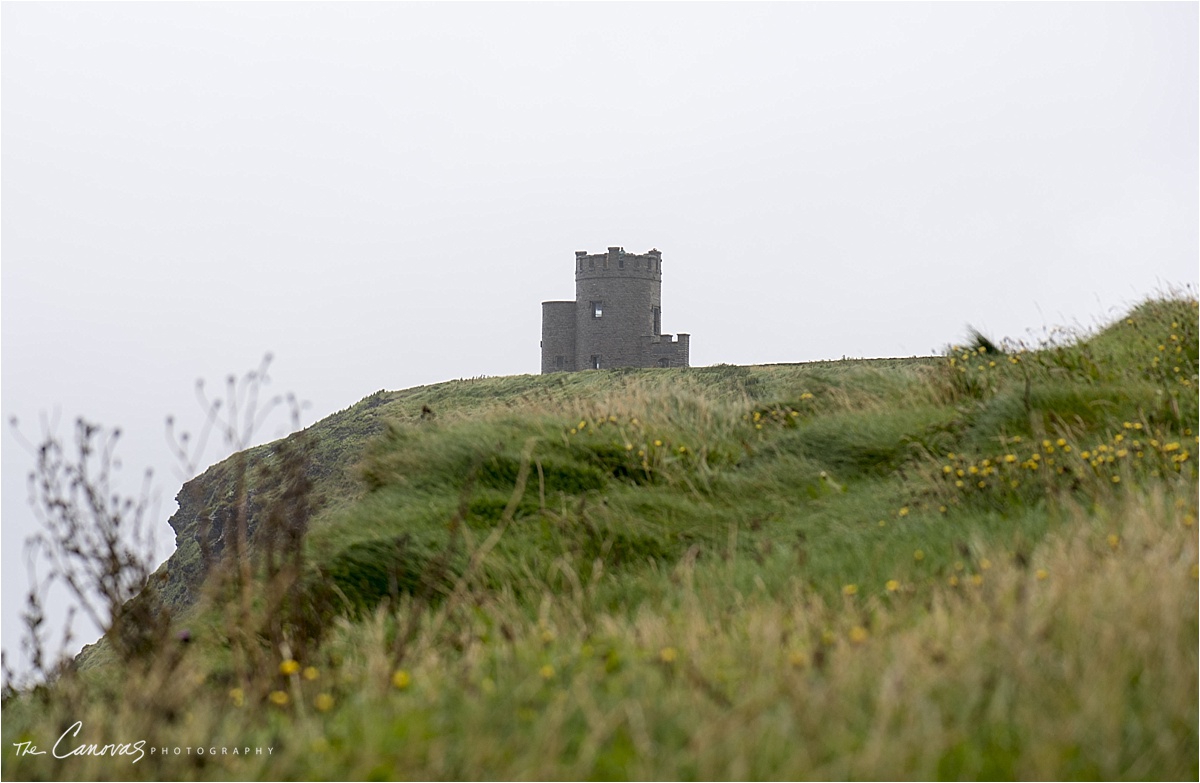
(617, 262)
(616, 318)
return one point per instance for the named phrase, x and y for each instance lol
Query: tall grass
(751, 573)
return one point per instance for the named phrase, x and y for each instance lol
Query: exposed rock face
(205, 524)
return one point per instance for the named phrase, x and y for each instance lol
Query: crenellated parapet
(617, 263)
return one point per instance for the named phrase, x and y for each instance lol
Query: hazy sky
(382, 194)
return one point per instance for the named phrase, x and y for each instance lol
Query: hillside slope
(977, 566)
(339, 442)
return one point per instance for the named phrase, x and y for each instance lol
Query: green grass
(712, 573)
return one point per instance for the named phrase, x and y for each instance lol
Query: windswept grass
(981, 566)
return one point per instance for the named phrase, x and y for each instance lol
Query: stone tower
(616, 318)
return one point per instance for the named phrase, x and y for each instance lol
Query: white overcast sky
(383, 194)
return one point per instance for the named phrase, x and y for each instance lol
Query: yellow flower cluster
(600, 422)
(289, 667)
(1010, 470)
(966, 360)
(644, 450)
(781, 415)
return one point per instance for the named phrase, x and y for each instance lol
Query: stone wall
(558, 337)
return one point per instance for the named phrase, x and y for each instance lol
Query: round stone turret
(616, 318)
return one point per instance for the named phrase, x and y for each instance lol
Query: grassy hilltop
(982, 565)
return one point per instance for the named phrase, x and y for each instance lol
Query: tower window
(591, 263)
(595, 361)
(560, 362)
(657, 314)
(597, 309)
(621, 262)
